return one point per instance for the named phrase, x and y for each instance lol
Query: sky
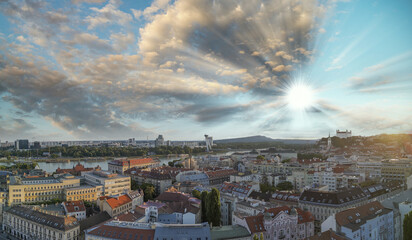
(110, 69)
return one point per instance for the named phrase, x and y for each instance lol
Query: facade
(21, 144)
(26, 223)
(38, 189)
(121, 165)
(84, 192)
(367, 222)
(220, 176)
(324, 204)
(398, 170)
(112, 183)
(75, 209)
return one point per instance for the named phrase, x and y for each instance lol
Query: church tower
(329, 143)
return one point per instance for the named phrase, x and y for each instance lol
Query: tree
(255, 237)
(260, 157)
(134, 185)
(261, 236)
(149, 193)
(407, 226)
(285, 186)
(213, 207)
(203, 198)
(196, 194)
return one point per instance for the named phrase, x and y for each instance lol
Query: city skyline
(103, 70)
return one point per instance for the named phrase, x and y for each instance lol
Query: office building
(39, 189)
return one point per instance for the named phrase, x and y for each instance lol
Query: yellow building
(39, 189)
(85, 193)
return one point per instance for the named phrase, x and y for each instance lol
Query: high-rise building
(21, 144)
(209, 142)
(160, 141)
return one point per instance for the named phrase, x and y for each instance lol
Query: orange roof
(74, 206)
(119, 201)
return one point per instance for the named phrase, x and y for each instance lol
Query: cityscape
(205, 120)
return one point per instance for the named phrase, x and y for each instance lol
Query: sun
(300, 96)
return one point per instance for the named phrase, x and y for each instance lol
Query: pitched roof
(74, 206)
(229, 232)
(116, 232)
(94, 220)
(119, 201)
(255, 223)
(340, 197)
(60, 223)
(131, 216)
(328, 235)
(355, 217)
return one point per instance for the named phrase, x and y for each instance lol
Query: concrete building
(21, 144)
(75, 209)
(324, 204)
(39, 189)
(123, 164)
(160, 141)
(367, 222)
(112, 183)
(27, 223)
(396, 169)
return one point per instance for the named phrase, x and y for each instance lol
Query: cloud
(196, 60)
(107, 15)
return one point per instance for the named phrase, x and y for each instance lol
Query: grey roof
(180, 231)
(43, 218)
(94, 220)
(333, 198)
(229, 232)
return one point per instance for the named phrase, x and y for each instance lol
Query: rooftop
(335, 198)
(118, 201)
(74, 206)
(59, 223)
(229, 232)
(353, 218)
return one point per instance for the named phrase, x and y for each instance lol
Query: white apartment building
(367, 222)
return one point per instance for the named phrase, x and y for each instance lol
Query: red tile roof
(255, 224)
(119, 201)
(74, 206)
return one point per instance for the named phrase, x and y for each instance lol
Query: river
(51, 167)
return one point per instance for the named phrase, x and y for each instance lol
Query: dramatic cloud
(94, 69)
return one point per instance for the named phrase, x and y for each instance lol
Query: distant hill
(258, 138)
